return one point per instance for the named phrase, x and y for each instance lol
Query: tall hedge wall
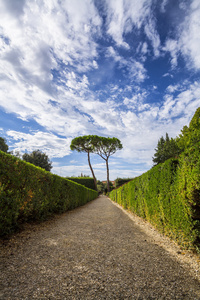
(30, 193)
(168, 196)
(86, 181)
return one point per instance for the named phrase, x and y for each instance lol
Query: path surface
(93, 252)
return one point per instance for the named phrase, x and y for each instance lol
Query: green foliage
(28, 193)
(100, 187)
(86, 181)
(166, 148)
(190, 135)
(38, 159)
(121, 181)
(105, 146)
(168, 196)
(3, 145)
(82, 143)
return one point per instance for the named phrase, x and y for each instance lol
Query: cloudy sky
(123, 68)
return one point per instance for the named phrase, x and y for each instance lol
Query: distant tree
(3, 145)
(111, 187)
(121, 181)
(84, 175)
(38, 159)
(105, 147)
(15, 153)
(166, 148)
(84, 144)
(100, 187)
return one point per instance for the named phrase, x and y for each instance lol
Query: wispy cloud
(187, 38)
(50, 143)
(190, 38)
(123, 16)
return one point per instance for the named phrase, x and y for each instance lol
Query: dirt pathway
(93, 252)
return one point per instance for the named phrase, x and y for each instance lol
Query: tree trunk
(108, 182)
(95, 183)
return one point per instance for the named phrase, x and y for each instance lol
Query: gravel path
(93, 252)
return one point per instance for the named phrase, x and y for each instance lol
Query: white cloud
(173, 47)
(49, 26)
(163, 5)
(152, 34)
(71, 170)
(185, 103)
(122, 16)
(73, 161)
(95, 65)
(52, 145)
(172, 88)
(190, 38)
(187, 40)
(136, 70)
(144, 49)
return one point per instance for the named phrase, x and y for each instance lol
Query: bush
(31, 193)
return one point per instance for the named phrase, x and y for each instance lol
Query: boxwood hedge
(86, 181)
(168, 196)
(31, 193)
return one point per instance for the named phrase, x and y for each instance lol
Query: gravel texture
(96, 251)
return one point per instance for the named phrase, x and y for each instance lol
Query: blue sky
(123, 68)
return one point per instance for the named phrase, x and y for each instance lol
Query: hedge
(121, 181)
(29, 193)
(168, 196)
(86, 181)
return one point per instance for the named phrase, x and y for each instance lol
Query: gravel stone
(97, 251)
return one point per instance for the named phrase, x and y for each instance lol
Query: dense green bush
(31, 193)
(86, 181)
(168, 196)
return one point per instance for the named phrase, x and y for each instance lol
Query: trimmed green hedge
(121, 181)
(86, 181)
(31, 193)
(168, 196)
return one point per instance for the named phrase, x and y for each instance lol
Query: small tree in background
(166, 148)
(3, 145)
(84, 144)
(105, 147)
(100, 187)
(38, 159)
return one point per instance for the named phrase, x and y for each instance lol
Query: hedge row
(121, 181)
(30, 193)
(86, 181)
(168, 196)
